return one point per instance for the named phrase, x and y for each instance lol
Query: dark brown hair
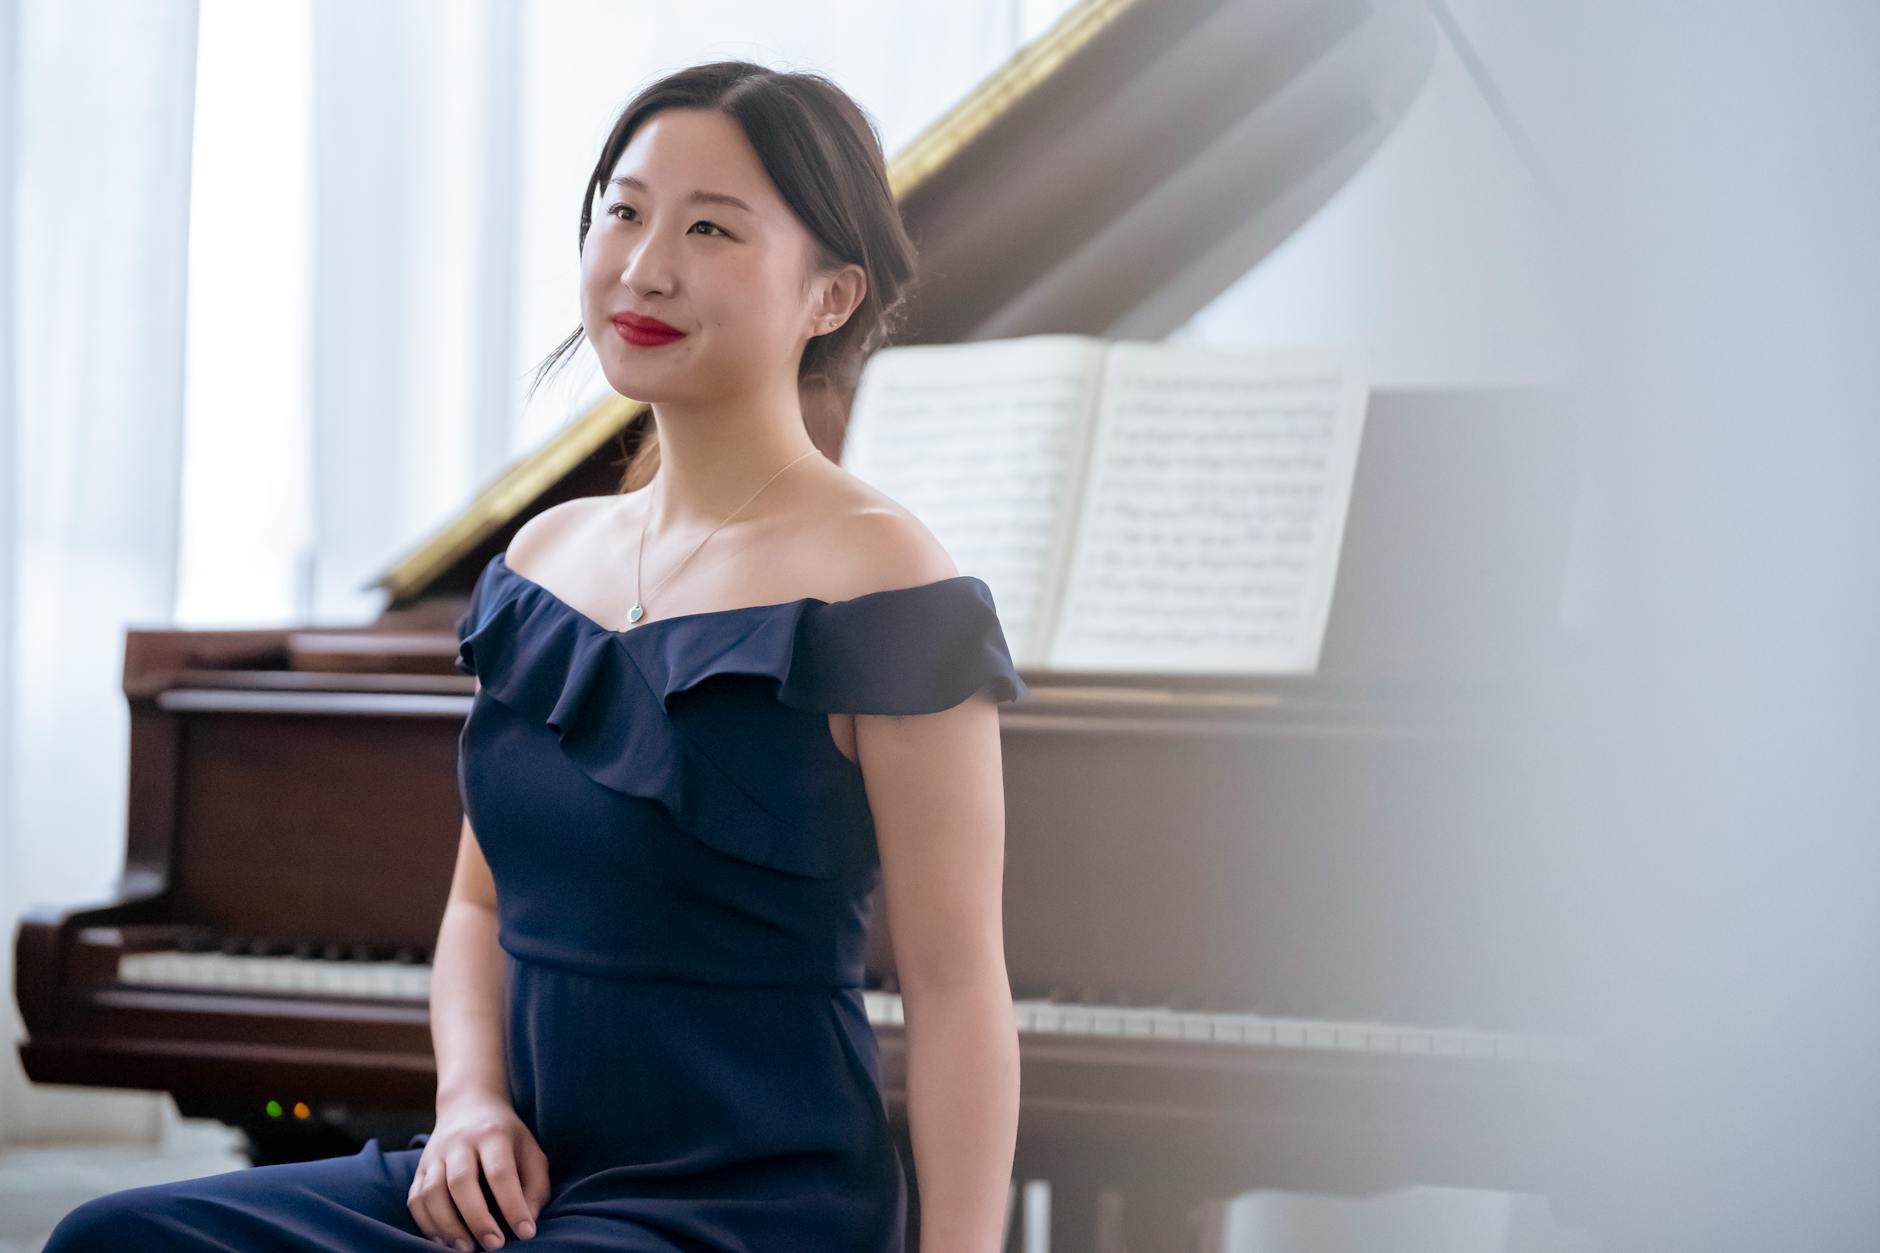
(824, 156)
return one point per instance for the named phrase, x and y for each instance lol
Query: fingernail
(492, 1240)
(526, 1229)
(463, 1246)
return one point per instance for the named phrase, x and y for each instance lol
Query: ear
(841, 292)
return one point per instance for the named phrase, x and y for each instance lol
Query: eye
(700, 222)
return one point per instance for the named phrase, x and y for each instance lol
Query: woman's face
(731, 276)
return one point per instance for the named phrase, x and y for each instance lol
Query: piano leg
(1091, 1215)
(1111, 1237)
(1162, 1220)
(1074, 1215)
(1212, 1234)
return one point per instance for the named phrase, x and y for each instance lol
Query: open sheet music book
(1134, 506)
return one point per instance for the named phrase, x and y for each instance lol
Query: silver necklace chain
(639, 608)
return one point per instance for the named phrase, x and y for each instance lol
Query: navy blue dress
(683, 859)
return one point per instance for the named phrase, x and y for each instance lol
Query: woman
(691, 757)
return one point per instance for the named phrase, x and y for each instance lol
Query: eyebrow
(706, 197)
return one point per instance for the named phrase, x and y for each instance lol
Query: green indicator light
(274, 1109)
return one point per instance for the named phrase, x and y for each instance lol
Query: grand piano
(1261, 932)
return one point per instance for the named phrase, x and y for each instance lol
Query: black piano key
(197, 940)
(307, 950)
(234, 945)
(334, 952)
(411, 955)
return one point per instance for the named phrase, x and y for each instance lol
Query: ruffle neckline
(611, 695)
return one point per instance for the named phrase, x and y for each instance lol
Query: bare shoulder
(544, 532)
(878, 544)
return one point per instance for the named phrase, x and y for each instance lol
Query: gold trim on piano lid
(993, 98)
(528, 479)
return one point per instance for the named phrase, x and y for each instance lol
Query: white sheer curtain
(277, 275)
(98, 104)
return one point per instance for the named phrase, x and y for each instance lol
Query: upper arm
(471, 881)
(936, 787)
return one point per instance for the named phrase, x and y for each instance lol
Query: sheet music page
(984, 442)
(1214, 512)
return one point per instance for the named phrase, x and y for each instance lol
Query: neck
(713, 456)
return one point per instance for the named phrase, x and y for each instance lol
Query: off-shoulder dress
(683, 859)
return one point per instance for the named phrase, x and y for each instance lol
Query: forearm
(962, 1094)
(467, 1004)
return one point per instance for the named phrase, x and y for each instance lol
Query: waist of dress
(651, 972)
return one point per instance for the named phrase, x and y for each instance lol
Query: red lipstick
(644, 332)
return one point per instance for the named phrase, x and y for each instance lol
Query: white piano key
(382, 980)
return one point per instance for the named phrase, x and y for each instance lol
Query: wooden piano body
(1244, 920)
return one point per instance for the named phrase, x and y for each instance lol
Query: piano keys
(201, 963)
(307, 967)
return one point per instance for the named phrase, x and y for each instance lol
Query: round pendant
(635, 614)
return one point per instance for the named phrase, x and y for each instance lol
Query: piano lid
(1112, 178)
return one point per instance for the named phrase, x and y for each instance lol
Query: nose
(648, 268)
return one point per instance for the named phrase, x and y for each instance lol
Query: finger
(465, 1177)
(420, 1207)
(532, 1165)
(444, 1207)
(432, 1207)
(499, 1167)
